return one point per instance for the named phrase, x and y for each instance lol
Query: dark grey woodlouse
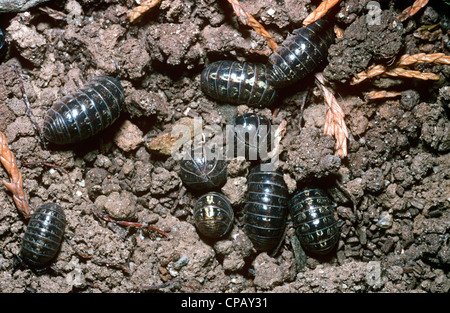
(3, 45)
(213, 215)
(202, 172)
(301, 53)
(252, 136)
(312, 213)
(86, 112)
(265, 211)
(43, 237)
(238, 83)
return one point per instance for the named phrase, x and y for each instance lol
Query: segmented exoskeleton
(43, 237)
(201, 171)
(265, 211)
(300, 53)
(312, 213)
(86, 112)
(213, 215)
(238, 83)
(252, 136)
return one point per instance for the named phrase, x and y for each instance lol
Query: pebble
(385, 220)
(129, 137)
(182, 261)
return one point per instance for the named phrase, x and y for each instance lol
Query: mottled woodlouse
(252, 136)
(265, 210)
(300, 53)
(86, 112)
(238, 83)
(202, 172)
(44, 235)
(312, 213)
(213, 215)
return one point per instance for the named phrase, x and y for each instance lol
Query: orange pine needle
(321, 10)
(141, 9)
(398, 70)
(334, 119)
(411, 10)
(15, 186)
(372, 95)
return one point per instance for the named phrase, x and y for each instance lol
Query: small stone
(235, 189)
(120, 206)
(238, 167)
(385, 220)
(18, 5)
(30, 44)
(129, 137)
(182, 261)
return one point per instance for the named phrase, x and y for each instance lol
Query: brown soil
(397, 168)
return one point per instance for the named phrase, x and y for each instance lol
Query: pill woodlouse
(201, 171)
(300, 53)
(312, 213)
(3, 45)
(213, 215)
(238, 83)
(265, 211)
(43, 236)
(252, 136)
(85, 112)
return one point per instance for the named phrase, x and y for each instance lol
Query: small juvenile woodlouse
(213, 215)
(86, 112)
(3, 45)
(44, 234)
(312, 213)
(238, 83)
(300, 53)
(252, 136)
(265, 211)
(201, 172)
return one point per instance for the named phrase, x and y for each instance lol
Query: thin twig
(49, 165)
(16, 185)
(107, 218)
(29, 112)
